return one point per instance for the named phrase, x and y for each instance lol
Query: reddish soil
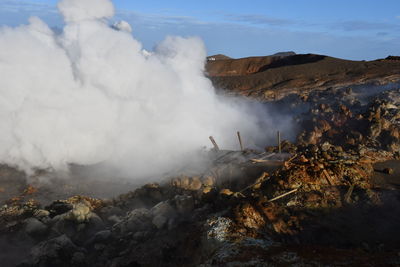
(273, 77)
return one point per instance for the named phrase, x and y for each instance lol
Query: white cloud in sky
(239, 35)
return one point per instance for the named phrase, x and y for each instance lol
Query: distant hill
(217, 57)
(272, 77)
(284, 54)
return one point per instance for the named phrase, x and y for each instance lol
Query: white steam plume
(92, 95)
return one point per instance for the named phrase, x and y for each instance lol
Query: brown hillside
(273, 77)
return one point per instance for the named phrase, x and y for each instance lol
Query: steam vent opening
(114, 152)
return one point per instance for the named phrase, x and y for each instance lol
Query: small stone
(207, 190)
(226, 192)
(338, 149)
(326, 146)
(41, 213)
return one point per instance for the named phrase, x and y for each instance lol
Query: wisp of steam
(91, 94)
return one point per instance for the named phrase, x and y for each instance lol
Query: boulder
(58, 251)
(80, 213)
(136, 220)
(59, 207)
(34, 227)
(162, 212)
(163, 208)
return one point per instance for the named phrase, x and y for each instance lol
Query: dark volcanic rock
(59, 251)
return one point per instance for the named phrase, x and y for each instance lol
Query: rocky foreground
(331, 198)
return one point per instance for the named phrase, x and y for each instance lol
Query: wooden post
(240, 141)
(279, 142)
(214, 143)
(284, 195)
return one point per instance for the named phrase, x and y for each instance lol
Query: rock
(207, 189)
(184, 204)
(136, 220)
(80, 213)
(225, 192)
(338, 149)
(326, 146)
(164, 212)
(219, 228)
(54, 252)
(79, 224)
(63, 226)
(41, 213)
(114, 219)
(163, 208)
(59, 207)
(153, 191)
(159, 221)
(34, 227)
(110, 211)
(141, 235)
(375, 130)
(95, 222)
(102, 236)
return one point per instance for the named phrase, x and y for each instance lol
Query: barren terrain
(330, 197)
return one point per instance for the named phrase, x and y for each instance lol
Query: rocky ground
(331, 198)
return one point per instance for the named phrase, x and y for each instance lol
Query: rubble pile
(317, 202)
(342, 119)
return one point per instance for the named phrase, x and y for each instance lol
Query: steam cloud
(92, 94)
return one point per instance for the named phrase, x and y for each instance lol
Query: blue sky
(352, 29)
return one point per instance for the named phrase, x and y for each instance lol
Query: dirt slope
(273, 77)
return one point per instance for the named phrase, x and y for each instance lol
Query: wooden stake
(327, 177)
(283, 195)
(240, 141)
(279, 142)
(260, 180)
(214, 143)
